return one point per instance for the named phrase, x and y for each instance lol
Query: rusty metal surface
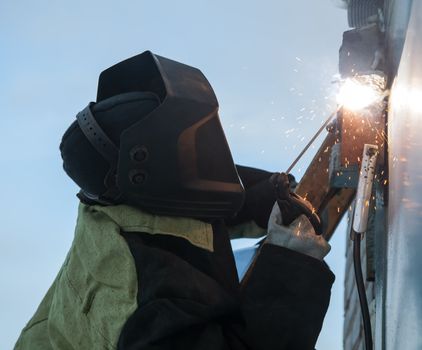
(329, 203)
(314, 185)
(356, 130)
(345, 144)
(335, 209)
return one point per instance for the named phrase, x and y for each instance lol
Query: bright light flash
(356, 93)
(407, 97)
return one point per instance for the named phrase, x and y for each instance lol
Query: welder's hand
(298, 236)
(291, 205)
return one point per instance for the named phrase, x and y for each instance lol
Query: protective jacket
(136, 281)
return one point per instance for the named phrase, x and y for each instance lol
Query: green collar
(131, 219)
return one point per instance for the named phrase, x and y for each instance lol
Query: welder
(151, 265)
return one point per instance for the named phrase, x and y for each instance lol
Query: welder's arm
(260, 196)
(261, 191)
(285, 298)
(188, 298)
(287, 290)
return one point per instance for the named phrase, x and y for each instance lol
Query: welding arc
(323, 126)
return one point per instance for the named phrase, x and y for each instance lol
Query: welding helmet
(154, 140)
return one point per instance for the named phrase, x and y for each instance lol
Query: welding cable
(361, 291)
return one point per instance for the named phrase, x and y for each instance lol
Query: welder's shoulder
(93, 294)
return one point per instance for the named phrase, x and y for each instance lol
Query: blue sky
(271, 64)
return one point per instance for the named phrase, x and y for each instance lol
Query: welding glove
(292, 205)
(299, 236)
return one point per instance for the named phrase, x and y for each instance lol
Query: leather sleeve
(284, 299)
(260, 197)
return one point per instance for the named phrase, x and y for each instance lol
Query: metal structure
(385, 40)
(392, 246)
(403, 284)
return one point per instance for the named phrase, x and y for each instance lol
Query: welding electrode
(323, 126)
(292, 205)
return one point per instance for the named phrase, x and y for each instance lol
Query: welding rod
(323, 126)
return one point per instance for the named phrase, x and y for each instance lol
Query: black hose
(361, 291)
